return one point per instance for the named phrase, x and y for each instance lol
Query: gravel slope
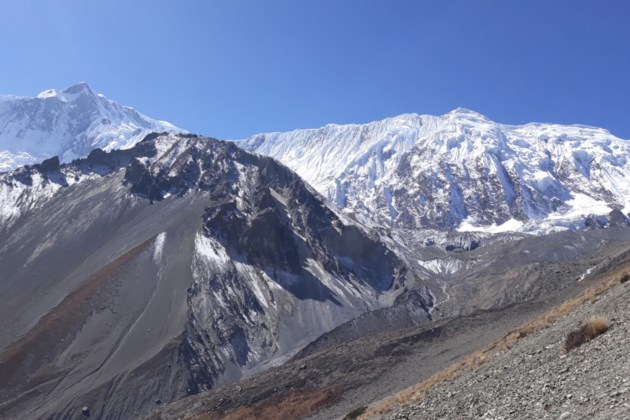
(536, 379)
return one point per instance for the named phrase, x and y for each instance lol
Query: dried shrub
(296, 404)
(594, 327)
(355, 413)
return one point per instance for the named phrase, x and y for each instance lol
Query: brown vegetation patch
(477, 359)
(595, 326)
(355, 413)
(293, 405)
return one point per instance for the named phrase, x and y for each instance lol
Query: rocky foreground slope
(538, 379)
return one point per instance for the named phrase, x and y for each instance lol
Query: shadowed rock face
(166, 269)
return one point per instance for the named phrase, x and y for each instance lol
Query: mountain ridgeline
(461, 171)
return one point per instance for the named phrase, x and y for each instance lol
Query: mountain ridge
(461, 171)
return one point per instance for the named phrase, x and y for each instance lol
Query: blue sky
(233, 68)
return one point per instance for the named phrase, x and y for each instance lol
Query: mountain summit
(68, 123)
(461, 171)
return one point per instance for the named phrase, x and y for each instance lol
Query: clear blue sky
(237, 67)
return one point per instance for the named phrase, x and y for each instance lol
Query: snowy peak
(79, 88)
(68, 123)
(68, 95)
(462, 113)
(461, 171)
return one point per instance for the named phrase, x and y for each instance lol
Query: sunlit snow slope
(68, 124)
(461, 171)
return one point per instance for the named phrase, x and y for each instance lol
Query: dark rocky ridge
(114, 302)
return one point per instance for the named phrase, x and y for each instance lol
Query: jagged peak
(78, 89)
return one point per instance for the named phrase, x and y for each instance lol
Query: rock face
(169, 268)
(461, 171)
(68, 124)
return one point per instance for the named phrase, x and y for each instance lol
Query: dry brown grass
(479, 358)
(294, 405)
(595, 326)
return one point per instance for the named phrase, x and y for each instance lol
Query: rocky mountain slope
(139, 276)
(461, 171)
(67, 123)
(537, 379)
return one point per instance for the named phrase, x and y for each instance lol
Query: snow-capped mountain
(68, 124)
(461, 171)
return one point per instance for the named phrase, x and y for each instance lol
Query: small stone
(86, 411)
(303, 367)
(565, 415)
(158, 401)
